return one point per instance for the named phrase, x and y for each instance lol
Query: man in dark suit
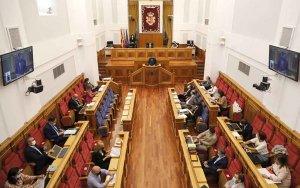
(213, 165)
(53, 133)
(74, 103)
(246, 131)
(37, 155)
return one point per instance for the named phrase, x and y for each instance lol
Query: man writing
(94, 177)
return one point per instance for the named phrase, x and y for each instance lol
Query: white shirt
(261, 147)
(212, 90)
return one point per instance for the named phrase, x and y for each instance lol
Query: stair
(200, 69)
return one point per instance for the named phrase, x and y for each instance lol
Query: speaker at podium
(149, 45)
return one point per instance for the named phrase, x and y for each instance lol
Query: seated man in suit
(192, 100)
(36, 154)
(246, 131)
(74, 103)
(213, 165)
(206, 83)
(53, 133)
(205, 139)
(186, 94)
(194, 112)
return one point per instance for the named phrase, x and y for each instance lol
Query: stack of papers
(115, 152)
(265, 171)
(182, 116)
(175, 97)
(129, 94)
(113, 181)
(90, 104)
(128, 98)
(174, 93)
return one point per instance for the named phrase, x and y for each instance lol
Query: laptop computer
(234, 127)
(58, 152)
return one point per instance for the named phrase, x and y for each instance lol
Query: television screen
(284, 62)
(16, 64)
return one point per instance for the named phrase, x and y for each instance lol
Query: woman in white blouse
(281, 172)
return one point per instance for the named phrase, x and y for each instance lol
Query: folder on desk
(175, 97)
(174, 93)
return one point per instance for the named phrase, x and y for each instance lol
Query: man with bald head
(94, 177)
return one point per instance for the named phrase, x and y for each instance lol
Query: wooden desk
(183, 68)
(118, 165)
(213, 108)
(155, 38)
(127, 118)
(63, 163)
(90, 112)
(193, 172)
(248, 165)
(177, 120)
(120, 69)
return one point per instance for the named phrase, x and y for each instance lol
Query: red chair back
(234, 97)
(268, 129)
(257, 123)
(229, 93)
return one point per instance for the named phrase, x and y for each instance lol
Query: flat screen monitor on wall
(285, 62)
(16, 64)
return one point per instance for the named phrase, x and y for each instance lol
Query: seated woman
(15, 179)
(236, 182)
(100, 157)
(281, 172)
(89, 95)
(222, 102)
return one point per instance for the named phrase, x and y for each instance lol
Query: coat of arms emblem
(150, 18)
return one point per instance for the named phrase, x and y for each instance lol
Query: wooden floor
(154, 159)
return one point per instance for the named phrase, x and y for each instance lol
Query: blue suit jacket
(50, 133)
(220, 164)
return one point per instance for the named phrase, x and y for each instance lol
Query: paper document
(175, 97)
(176, 100)
(115, 152)
(265, 171)
(182, 116)
(235, 134)
(113, 181)
(90, 104)
(70, 131)
(128, 98)
(174, 93)
(129, 94)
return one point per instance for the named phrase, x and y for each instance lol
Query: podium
(151, 76)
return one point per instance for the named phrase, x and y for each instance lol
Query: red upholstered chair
(38, 136)
(78, 92)
(218, 132)
(229, 93)
(85, 152)
(241, 102)
(218, 81)
(268, 129)
(63, 185)
(233, 98)
(225, 88)
(89, 139)
(67, 116)
(12, 160)
(81, 87)
(295, 179)
(80, 166)
(234, 167)
(67, 98)
(3, 178)
(72, 178)
(278, 139)
(41, 125)
(293, 156)
(221, 143)
(257, 123)
(20, 149)
(229, 154)
(247, 181)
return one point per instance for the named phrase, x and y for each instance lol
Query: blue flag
(127, 39)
